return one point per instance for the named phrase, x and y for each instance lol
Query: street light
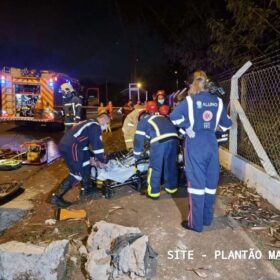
(139, 85)
(177, 81)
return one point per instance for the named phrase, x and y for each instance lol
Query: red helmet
(160, 93)
(164, 110)
(151, 107)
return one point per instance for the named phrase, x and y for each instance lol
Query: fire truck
(31, 96)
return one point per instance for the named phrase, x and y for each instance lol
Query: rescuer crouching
(75, 149)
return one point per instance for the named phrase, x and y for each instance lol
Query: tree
(250, 28)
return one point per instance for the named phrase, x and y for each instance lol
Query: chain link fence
(259, 95)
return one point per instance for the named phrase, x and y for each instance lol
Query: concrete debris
(118, 252)
(8, 216)
(83, 250)
(104, 233)
(98, 265)
(26, 261)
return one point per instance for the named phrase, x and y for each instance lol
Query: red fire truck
(28, 96)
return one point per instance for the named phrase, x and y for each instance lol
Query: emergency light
(3, 79)
(51, 82)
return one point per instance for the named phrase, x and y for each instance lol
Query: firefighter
(164, 110)
(161, 98)
(74, 148)
(163, 138)
(72, 105)
(200, 114)
(130, 125)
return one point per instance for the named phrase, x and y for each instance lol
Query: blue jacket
(153, 128)
(202, 111)
(82, 135)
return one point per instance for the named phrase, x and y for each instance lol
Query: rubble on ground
(118, 252)
(27, 261)
(250, 209)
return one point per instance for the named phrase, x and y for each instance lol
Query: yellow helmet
(67, 87)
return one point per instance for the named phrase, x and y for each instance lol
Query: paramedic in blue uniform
(163, 138)
(72, 105)
(74, 148)
(201, 114)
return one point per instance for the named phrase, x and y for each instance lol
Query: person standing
(163, 138)
(109, 108)
(74, 148)
(200, 114)
(72, 105)
(126, 109)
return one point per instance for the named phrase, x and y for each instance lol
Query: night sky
(86, 39)
(117, 41)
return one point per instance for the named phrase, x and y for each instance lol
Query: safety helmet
(164, 110)
(151, 107)
(67, 87)
(160, 93)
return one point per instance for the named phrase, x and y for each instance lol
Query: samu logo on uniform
(207, 116)
(198, 104)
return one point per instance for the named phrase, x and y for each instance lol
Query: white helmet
(67, 88)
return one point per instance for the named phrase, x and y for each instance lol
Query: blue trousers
(77, 160)
(163, 159)
(202, 172)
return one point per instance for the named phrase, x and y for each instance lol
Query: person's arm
(225, 122)
(179, 116)
(95, 140)
(139, 138)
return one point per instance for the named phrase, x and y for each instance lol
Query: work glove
(190, 132)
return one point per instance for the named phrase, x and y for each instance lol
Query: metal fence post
(233, 114)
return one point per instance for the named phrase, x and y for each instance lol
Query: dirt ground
(160, 220)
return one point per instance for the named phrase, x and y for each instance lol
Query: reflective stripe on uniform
(154, 125)
(70, 123)
(190, 111)
(77, 105)
(128, 140)
(100, 151)
(182, 131)
(136, 153)
(167, 135)
(149, 185)
(196, 191)
(171, 190)
(210, 191)
(77, 177)
(86, 163)
(78, 133)
(85, 148)
(74, 110)
(178, 121)
(224, 128)
(130, 124)
(140, 132)
(219, 112)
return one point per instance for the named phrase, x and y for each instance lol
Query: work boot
(57, 197)
(88, 189)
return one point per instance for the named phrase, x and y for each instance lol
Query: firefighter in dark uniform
(72, 105)
(163, 138)
(200, 115)
(74, 148)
